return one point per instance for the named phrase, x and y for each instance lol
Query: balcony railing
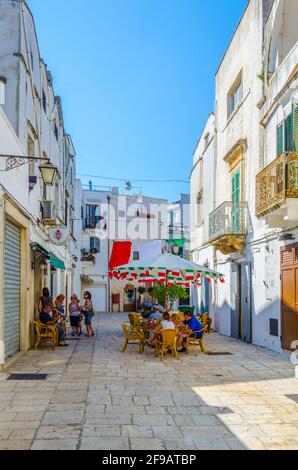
(277, 182)
(92, 221)
(231, 218)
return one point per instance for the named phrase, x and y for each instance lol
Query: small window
(200, 218)
(235, 96)
(56, 131)
(280, 139)
(44, 101)
(136, 256)
(95, 244)
(31, 153)
(176, 217)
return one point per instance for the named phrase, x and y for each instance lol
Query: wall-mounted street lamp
(48, 171)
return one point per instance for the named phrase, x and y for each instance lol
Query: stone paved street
(97, 398)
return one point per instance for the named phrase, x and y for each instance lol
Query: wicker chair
(166, 340)
(193, 340)
(136, 321)
(45, 333)
(206, 321)
(134, 336)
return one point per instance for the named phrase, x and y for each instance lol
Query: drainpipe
(109, 249)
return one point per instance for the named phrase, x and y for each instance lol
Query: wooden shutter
(295, 127)
(289, 133)
(235, 200)
(236, 186)
(280, 140)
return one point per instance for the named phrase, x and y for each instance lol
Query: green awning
(56, 262)
(177, 241)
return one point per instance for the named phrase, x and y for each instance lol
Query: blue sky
(137, 81)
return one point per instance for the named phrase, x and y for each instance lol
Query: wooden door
(289, 295)
(130, 300)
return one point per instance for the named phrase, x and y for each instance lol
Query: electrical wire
(132, 181)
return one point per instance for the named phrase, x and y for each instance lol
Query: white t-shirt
(168, 325)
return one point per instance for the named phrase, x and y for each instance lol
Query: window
(56, 196)
(287, 133)
(200, 208)
(92, 216)
(56, 131)
(176, 218)
(44, 101)
(31, 152)
(95, 244)
(235, 96)
(136, 256)
(66, 212)
(280, 139)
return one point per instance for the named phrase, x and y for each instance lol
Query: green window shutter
(295, 127)
(280, 140)
(235, 199)
(236, 186)
(289, 133)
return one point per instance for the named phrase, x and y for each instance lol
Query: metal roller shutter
(12, 281)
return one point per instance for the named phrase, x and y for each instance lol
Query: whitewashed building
(110, 217)
(253, 184)
(179, 226)
(32, 120)
(202, 203)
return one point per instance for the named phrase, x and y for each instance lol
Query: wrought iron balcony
(228, 226)
(276, 183)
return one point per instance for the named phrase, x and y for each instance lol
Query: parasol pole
(167, 290)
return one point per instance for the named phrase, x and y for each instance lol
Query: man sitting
(47, 318)
(193, 324)
(156, 314)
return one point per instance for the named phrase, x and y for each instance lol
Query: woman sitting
(164, 324)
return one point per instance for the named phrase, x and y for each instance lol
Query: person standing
(75, 315)
(45, 299)
(88, 312)
(59, 304)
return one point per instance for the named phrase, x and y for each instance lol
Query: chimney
(90, 186)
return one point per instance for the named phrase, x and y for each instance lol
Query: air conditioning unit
(49, 212)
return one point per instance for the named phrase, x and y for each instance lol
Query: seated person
(165, 324)
(47, 318)
(193, 324)
(156, 314)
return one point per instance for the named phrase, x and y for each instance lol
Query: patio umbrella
(167, 268)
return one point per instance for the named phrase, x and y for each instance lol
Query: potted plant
(173, 293)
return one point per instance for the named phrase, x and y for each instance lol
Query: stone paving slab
(95, 397)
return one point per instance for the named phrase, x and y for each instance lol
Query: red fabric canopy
(120, 254)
